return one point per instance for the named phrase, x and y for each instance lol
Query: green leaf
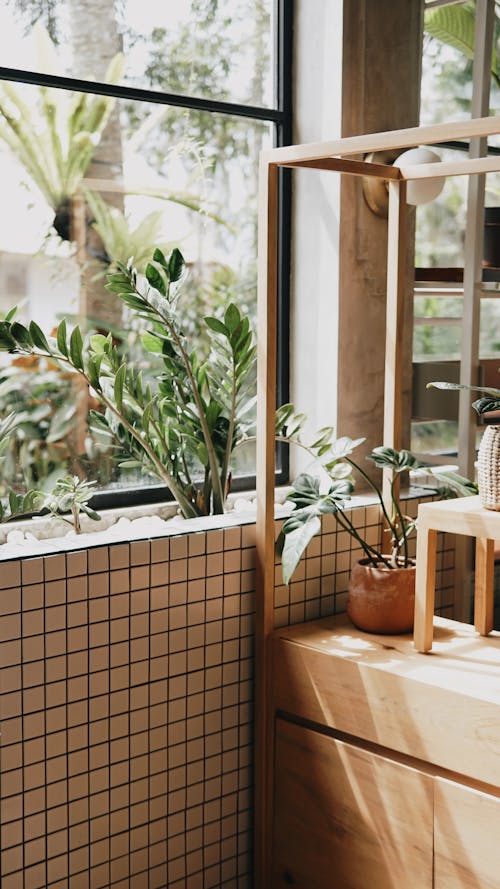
(232, 317)
(62, 339)
(21, 335)
(455, 485)
(296, 543)
(159, 257)
(118, 387)
(481, 405)
(202, 454)
(156, 279)
(488, 403)
(175, 265)
(76, 348)
(94, 369)
(98, 342)
(38, 337)
(217, 326)
(398, 461)
(152, 343)
(344, 446)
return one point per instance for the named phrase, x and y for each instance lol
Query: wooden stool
(462, 516)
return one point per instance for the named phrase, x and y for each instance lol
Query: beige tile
(248, 535)
(159, 574)
(55, 592)
(10, 574)
(119, 556)
(10, 601)
(98, 559)
(77, 587)
(232, 538)
(119, 581)
(140, 551)
(178, 547)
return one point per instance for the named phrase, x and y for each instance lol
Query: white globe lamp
(420, 191)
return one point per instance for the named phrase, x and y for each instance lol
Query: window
(446, 95)
(180, 98)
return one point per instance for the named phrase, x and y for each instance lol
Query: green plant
(455, 25)
(13, 505)
(55, 137)
(489, 402)
(71, 495)
(182, 427)
(311, 502)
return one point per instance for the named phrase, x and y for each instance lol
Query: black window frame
(281, 118)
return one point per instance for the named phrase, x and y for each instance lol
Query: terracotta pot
(381, 600)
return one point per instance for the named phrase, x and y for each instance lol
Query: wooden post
(265, 541)
(394, 327)
(473, 254)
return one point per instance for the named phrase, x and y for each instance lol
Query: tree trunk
(95, 41)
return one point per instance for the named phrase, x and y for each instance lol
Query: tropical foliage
(55, 138)
(490, 400)
(312, 500)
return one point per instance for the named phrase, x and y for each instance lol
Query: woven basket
(488, 468)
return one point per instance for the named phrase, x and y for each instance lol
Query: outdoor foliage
(56, 139)
(182, 428)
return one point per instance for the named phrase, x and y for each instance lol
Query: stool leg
(483, 591)
(425, 586)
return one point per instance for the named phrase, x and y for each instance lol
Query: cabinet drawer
(467, 838)
(345, 818)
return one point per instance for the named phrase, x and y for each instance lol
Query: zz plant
(183, 425)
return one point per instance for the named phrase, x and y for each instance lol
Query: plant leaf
(156, 279)
(76, 348)
(38, 337)
(175, 265)
(296, 542)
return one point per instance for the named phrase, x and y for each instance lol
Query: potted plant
(488, 459)
(382, 584)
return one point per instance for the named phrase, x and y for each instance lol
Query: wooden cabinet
(386, 766)
(346, 818)
(466, 837)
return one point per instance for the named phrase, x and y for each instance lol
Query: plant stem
(402, 525)
(374, 487)
(163, 473)
(229, 445)
(372, 554)
(214, 469)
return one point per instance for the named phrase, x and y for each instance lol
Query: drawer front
(467, 838)
(345, 818)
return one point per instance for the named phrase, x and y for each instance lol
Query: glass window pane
(214, 49)
(159, 176)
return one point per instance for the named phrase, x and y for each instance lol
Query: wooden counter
(387, 761)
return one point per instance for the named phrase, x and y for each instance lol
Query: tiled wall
(320, 583)
(126, 706)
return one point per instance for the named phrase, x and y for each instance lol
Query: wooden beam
(407, 138)
(355, 168)
(394, 326)
(265, 539)
(465, 167)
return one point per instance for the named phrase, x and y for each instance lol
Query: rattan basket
(488, 468)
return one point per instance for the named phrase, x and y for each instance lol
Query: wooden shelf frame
(341, 156)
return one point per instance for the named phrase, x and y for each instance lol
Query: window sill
(50, 536)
